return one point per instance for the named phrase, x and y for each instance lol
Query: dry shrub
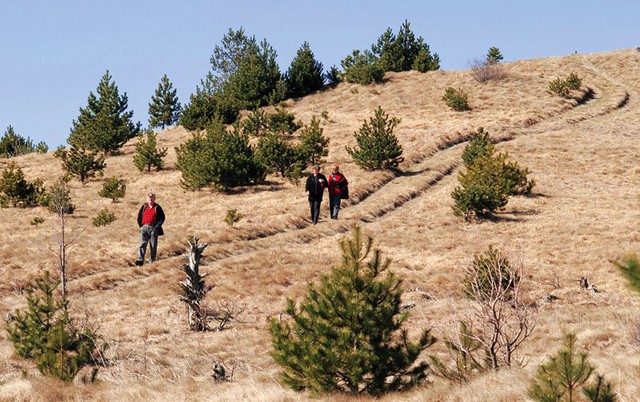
(482, 71)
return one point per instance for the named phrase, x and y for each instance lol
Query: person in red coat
(337, 185)
(150, 220)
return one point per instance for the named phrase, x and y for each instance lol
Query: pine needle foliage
(45, 332)
(82, 162)
(494, 55)
(490, 272)
(489, 180)
(113, 188)
(313, 144)
(377, 146)
(13, 144)
(148, 154)
(346, 335)
(403, 52)
(456, 99)
(16, 191)
(480, 145)
(277, 154)
(560, 378)
(103, 218)
(164, 108)
(629, 267)
(362, 68)
(104, 125)
(220, 159)
(463, 348)
(305, 73)
(600, 390)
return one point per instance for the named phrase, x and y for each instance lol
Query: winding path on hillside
(610, 96)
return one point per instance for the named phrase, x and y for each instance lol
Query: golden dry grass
(583, 214)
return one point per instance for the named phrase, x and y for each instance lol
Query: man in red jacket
(150, 220)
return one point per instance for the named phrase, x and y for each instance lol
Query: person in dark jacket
(337, 185)
(150, 220)
(316, 183)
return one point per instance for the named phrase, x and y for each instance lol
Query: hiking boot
(139, 263)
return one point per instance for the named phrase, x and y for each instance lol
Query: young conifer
(113, 189)
(304, 74)
(148, 154)
(566, 373)
(104, 124)
(378, 147)
(313, 144)
(164, 107)
(45, 332)
(347, 335)
(82, 162)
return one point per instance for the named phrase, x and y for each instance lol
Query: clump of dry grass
(582, 216)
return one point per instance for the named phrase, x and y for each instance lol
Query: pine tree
(207, 104)
(494, 56)
(378, 147)
(562, 375)
(489, 180)
(277, 154)
(479, 145)
(220, 159)
(113, 189)
(362, 68)
(305, 73)
(164, 107)
(148, 154)
(16, 191)
(257, 80)
(347, 333)
(404, 52)
(82, 162)
(104, 125)
(13, 144)
(313, 144)
(45, 332)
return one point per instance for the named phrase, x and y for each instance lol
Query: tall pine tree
(304, 74)
(347, 333)
(104, 125)
(164, 107)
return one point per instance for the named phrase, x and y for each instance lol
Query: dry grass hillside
(583, 214)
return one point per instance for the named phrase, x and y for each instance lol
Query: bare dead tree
(193, 288)
(501, 319)
(61, 205)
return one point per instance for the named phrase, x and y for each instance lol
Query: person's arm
(159, 216)
(140, 212)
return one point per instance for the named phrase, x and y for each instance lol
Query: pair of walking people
(337, 185)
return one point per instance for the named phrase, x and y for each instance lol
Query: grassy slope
(582, 216)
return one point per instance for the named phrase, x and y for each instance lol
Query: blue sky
(54, 53)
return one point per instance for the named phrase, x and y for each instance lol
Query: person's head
(316, 169)
(151, 197)
(336, 168)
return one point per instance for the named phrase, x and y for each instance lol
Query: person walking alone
(150, 220)
(316, 183)
(337, 185)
